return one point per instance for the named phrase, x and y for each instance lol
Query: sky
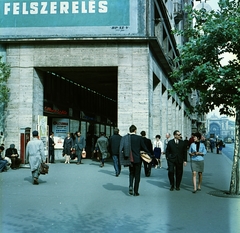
(212, 3)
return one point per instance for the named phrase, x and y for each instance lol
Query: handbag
(84, 154)
(145, 157)
(44, 168)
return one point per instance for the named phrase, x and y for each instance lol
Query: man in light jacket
(36, 156)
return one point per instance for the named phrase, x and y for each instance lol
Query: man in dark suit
(80, 144)
(176, 155)
(12, 154)
(132, 148)
(51, 148)
(148, 143)
(114, 143)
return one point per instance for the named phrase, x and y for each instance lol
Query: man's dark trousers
(134, 176)
(175, 167)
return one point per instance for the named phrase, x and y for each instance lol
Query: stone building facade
(221, 127)
(129, 47)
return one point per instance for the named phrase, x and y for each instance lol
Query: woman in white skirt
(197, 151)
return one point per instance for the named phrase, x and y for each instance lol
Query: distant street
(229, 150)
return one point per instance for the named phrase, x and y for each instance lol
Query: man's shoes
(78, 163)
(35, 181)
(130, 190)
(101, 165)
(172, 188)
(136, 194)
(178, 189)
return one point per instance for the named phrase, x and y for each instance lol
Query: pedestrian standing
(51, 157)
(68, 147)
(197, 151)
(36, 156)
(157, 150)
(79, 144)
(176, 154)
(129, 151)
(165, 142)
(114, 143)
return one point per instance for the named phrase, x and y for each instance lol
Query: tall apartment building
(92, 65)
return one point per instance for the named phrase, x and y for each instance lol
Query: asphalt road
(86, 198)
(228, 150)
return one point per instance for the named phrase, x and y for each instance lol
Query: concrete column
(157, 110)
(164, 113)
(133, 89)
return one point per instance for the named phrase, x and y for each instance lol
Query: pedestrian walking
(197, 151)
(176, 154)
(114, 143)
(102, 148)
(129, 151)
(148, 143)
(36, 156)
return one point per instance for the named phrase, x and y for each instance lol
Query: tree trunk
(234, 185)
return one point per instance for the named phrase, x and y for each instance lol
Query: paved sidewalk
(86, 198)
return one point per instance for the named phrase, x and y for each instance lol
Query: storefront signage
(60, 128)
(55, 111)
(39, 18)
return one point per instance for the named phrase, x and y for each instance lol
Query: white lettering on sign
(84, 10)
(103, 7)
(63, 7)
(16, 8)
(33, 8)
(75, 7)
(43, 10)
(92, 7)
(24, 11)
(53, 8)
(7, 8)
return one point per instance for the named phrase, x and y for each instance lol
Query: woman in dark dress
(157, 150)
(67, 147)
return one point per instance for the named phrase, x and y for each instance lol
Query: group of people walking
(176, 153)
(126, 151)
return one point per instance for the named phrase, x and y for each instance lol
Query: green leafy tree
(201, 68)
(4, 92)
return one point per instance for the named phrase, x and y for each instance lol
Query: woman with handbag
(67, 147)
(197, 151)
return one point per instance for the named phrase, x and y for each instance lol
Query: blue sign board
(40, 18)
